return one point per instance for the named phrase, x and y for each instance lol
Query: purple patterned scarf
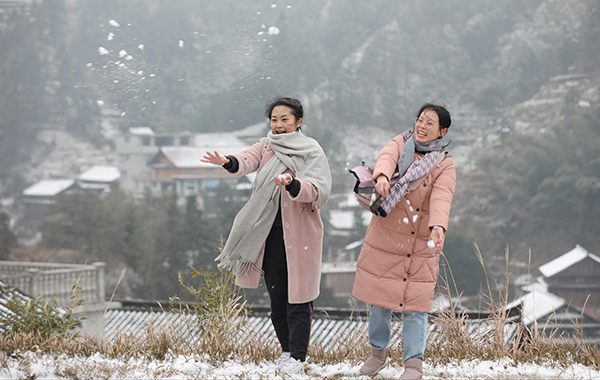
(409, 170)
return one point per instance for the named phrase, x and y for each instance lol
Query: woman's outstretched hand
(214, 158)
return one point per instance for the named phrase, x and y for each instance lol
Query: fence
(56, 280)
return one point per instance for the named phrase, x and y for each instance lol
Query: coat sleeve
(308, 192)
(387, 162)
(442, 194)
(249, 159)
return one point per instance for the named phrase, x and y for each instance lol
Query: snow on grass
(31, 365)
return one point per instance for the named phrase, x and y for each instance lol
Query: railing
(50, 280)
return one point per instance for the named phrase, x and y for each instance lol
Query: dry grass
(226, 334)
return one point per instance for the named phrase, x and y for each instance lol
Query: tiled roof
(327, 331)
(8, 294)
(566, 260)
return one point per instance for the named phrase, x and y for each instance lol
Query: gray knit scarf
(251, 226)
(411, 146)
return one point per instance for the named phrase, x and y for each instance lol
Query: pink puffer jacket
(396, 269)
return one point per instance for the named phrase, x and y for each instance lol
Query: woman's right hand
(382, 185)
(215, 159)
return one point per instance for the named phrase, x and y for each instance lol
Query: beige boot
(413, 369)
(375, 362)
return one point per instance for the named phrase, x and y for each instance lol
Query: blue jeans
(414, 330)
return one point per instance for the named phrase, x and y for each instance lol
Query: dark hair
(442, 112)
(294, 104)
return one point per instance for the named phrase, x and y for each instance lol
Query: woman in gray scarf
(279, 233)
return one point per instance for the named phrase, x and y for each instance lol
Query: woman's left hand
(283, 179)
(437, 236)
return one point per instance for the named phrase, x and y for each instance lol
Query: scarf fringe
(238, 265)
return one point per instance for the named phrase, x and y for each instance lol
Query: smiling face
(427, 126)
(283, 120)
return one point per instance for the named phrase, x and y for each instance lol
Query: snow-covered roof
(219, 141)
(100, 173)
(538, 304)
(565, 261)
(353, 245)
(341, 219)
(141, 131)
(48, 187)
(7, 294)
(10, 293)
(189, 156)
(185, 156)
(258, 129)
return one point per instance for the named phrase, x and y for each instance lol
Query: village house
(137, 147)
(98, 178)
(575, 276)
(179, 169)
(38, 198)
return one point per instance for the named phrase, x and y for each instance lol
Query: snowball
(141, 46)
(584, 103)
(129, 58)
(113, 23)
(430, 244)
(273, 31)
(122, 53)
(102, 51)
(89, 64)
(273, 5)
(100, 102)
(110, 36)
(180, 43)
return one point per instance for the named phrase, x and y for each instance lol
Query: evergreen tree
(8, 240)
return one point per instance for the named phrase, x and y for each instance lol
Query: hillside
(520, 78)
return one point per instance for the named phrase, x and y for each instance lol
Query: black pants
(291, 321)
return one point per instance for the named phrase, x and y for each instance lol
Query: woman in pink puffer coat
(398, 265)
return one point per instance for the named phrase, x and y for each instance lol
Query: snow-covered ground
(34, 366)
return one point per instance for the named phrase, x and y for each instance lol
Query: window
(190, 185)
(184, 140)
(164, 141)
(146, 140)
(210, 183)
